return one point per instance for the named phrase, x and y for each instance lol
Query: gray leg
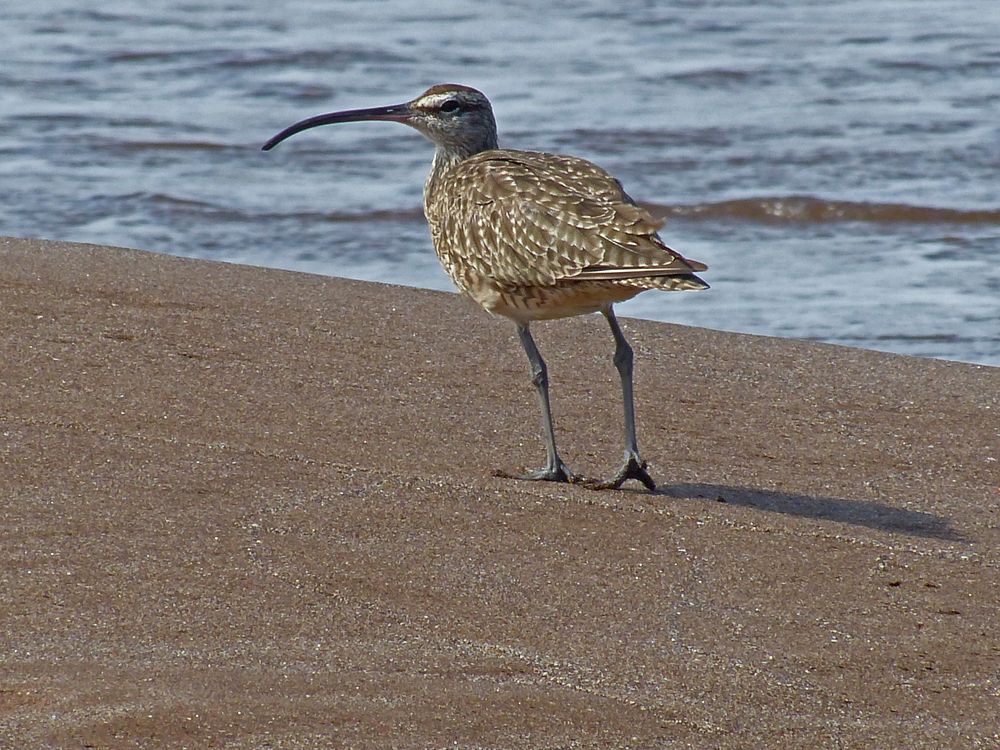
(555, 470)
(633, 467)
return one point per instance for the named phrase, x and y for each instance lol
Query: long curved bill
(392, 113)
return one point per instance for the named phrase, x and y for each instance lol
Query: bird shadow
(865, 513)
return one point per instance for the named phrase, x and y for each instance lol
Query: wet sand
(253, 508)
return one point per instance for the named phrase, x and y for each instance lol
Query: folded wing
(528, 218)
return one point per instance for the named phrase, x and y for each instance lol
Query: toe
(633, 468)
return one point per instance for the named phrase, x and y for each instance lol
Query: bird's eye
(451, 105)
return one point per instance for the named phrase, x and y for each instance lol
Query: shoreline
(254, 506)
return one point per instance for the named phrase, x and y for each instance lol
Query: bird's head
(458, 119)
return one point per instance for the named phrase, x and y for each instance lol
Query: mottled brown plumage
(532, 236)
(535, 236)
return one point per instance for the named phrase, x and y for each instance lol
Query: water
(836, 164)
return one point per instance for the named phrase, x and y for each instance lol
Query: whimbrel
(532, 236)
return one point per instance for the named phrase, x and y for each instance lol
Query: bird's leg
(555, 470)
(633, 467)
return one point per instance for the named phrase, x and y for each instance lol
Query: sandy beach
(253, 508)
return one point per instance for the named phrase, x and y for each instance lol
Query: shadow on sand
(857, 512)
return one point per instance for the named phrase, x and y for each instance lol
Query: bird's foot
(633, 468)
(557, 472)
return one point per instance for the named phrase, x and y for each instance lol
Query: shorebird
(532, 236)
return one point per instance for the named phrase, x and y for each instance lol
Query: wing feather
(526, 218)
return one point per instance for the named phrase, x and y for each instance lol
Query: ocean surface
(837, 165)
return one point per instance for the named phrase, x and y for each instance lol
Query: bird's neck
(469, 142)
(445, 158)
(451, 153)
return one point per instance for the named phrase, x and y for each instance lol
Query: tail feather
(674, 277)
(687, 282)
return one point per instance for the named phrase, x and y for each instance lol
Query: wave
(172, 146)
(793, 209)
(807, 209)
(176, 205)
(770, 210)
